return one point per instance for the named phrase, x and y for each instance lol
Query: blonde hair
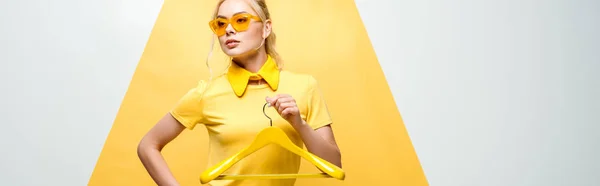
(260, 7)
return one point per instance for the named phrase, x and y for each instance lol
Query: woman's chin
(235, 52)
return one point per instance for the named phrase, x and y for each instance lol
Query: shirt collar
(238, 77)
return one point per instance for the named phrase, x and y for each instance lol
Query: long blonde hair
(260, 7)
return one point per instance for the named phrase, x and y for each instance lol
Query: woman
(231, 105)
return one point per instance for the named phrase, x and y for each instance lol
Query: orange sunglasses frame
(238, 27)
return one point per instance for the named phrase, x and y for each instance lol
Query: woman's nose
(229, 30)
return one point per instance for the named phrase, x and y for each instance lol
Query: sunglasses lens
(218, 26)
(239, 22)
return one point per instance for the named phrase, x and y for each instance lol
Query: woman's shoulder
(204, 85)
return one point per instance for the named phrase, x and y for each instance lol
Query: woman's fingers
(286, 105)
(284, 100)
(290, 111)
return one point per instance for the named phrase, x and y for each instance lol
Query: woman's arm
(320, 142)
(151, 145)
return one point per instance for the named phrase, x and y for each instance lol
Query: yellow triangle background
(325, 38)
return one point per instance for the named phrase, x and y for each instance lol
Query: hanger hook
(265, 113)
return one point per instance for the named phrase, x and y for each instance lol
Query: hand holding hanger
(320, 142)
(274, 135)
(286, 106)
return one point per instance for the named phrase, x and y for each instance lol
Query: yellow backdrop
(325, 38)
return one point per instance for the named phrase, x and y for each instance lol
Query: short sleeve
(318, 113)
(188, 110)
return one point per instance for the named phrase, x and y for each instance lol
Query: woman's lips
(232, 43)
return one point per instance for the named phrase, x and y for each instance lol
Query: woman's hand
(286, 107)
(320, 142)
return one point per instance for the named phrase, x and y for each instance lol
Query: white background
(492, 92)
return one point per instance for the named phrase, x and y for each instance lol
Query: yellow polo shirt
(232, 111)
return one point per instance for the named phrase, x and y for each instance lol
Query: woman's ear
(267, 29)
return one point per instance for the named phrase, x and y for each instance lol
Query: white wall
(492, 92)
(64, 68)
(495, 92)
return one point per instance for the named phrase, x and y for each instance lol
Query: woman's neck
(252, 62)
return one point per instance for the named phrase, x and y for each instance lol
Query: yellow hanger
(272, 135)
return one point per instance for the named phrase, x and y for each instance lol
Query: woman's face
(243, 34)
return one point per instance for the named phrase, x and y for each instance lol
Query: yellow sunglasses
(239, 22)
